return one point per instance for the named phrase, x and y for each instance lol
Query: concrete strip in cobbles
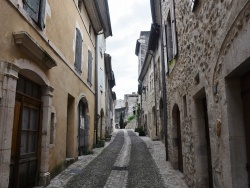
(62, 179)
(172, 178)
(143, 172)
(118, 177)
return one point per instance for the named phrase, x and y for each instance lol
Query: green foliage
(100, 143)
(140, 130)
(130, 118)
(171, 63)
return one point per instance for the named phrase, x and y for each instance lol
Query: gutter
(164, 90)
(96, 91)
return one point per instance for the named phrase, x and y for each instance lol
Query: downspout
(156, 129)
(164, 89)
(96, 90)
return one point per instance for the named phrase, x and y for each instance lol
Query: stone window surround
(8, 86)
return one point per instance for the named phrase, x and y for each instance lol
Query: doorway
(81, 128)
(26, 135)
(203, 148)
(245, 94)
(177, 143)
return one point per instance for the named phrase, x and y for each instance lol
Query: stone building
(47, 86)
(101, 85)
(207, 50)
(110, 95)
(150, 81)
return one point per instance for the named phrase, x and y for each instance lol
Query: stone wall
(205, 38)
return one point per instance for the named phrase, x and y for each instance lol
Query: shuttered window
(78, 51)
(90, 66)
(169, 37)
(36, 10)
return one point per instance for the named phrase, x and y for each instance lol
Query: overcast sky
(128, 19)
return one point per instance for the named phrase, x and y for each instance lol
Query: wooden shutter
(32, 8)
(89, 66)
(174, 39)
(101, 80)
(78, 51)
(41, 22)
(165, 48)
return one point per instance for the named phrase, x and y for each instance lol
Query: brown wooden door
(245, 90)
(25, 137)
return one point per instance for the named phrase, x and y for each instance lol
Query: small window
(36, 10)
(78, 51)
(90, 66)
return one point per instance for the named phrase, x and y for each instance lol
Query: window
(170, 41)
(90, 66)
(78, 51)
(36, 10)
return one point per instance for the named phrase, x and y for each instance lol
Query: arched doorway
(83, 126)
(177, 159)
(26, 136)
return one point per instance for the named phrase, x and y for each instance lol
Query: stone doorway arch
(83, 126)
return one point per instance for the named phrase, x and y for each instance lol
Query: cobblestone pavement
(124, 162)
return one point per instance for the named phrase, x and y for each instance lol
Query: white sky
(128, 19)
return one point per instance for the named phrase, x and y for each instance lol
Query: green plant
(100, 143)
(130, 118)
(140, 130)
(171, 63)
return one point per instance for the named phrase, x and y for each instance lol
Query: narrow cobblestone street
(126, 161)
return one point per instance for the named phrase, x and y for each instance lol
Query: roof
(94, 14)
(104, 10)
(155, 11)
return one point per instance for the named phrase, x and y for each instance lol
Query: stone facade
(53, 54)
(205, 91)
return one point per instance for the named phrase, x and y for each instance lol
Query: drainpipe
(164, 89)
(96, 90)
(156, 130)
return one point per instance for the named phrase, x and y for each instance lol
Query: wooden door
(245, 92)
(25, 137)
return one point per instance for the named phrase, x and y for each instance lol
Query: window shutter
(101, 80)
(173, 28)
(165, 48)
(41, 19)
(89, 66)
(169, 39)
(32, 8)
(78, 51)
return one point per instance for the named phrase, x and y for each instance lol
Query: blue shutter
(89, 66)
(41, 18)
(78, 51)
(32, 8)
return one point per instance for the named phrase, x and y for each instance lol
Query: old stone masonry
(126, 161)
